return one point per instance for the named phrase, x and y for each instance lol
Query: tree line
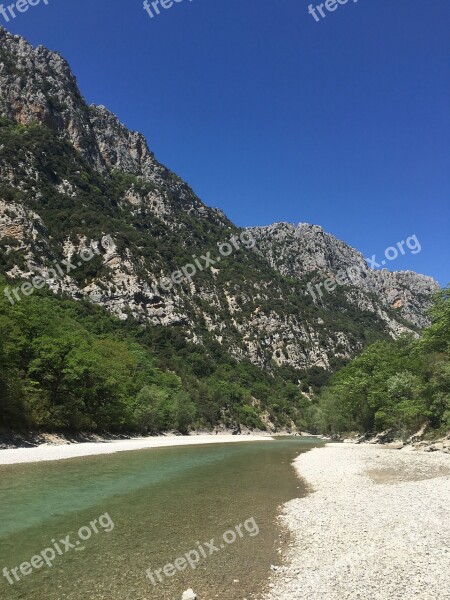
(68, 365)
(400, 384)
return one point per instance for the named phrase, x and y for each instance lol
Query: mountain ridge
(256, 306)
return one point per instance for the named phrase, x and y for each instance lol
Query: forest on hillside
(400, 384)
(69, 366)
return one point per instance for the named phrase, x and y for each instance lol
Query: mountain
(307, 249)
(75, 182)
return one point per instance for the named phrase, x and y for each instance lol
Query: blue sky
(273, 116)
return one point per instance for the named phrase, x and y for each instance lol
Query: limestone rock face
(299, 251)
(105, 181)
(38, 86)
(127, 152)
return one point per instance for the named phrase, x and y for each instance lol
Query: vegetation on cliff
(70, 366)
(393, 384)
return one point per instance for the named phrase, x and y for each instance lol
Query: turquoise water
(161, 504)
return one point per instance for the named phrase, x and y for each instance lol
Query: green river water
(161, 503)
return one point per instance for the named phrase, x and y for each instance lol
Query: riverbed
(163, 503)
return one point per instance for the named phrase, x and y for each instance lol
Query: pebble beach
(376, 526)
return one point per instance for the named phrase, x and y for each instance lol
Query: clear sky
(273, 116)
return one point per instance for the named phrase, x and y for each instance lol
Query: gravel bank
(376, 527)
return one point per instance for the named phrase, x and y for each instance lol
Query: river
(158, 505)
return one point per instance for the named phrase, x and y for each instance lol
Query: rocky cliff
(72, 174)
(307, 250)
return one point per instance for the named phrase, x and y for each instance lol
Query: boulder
(438, 446)
(398, 445)
(385, 437)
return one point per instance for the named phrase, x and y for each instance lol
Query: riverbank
(376, 526)
(60, 451)
(424, 440)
